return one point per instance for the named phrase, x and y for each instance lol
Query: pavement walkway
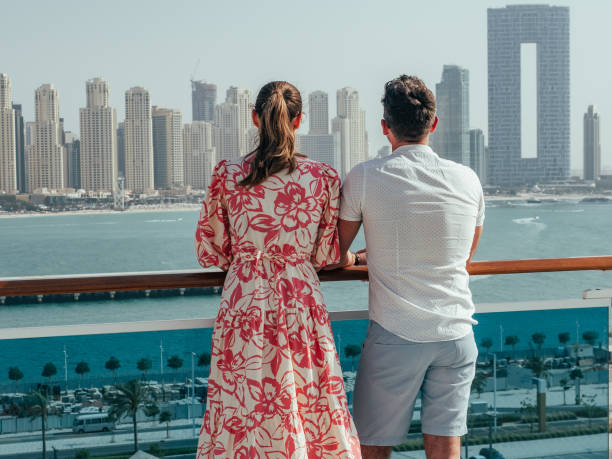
(547, 448)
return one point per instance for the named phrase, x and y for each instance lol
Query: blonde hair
(277, 105)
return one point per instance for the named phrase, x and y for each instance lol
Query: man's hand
(363, 257)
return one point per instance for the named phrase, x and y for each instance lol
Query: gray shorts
(391, 373)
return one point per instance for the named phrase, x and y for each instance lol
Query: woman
(275, 388)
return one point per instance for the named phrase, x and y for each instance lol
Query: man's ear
(434, 125)
(385, 127)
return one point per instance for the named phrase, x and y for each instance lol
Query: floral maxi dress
(275, 388)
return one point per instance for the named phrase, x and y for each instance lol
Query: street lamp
(66, 368)
(192, 407)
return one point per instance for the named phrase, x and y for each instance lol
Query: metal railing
(42, 285)
(113, 282)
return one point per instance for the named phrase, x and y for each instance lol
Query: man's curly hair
(409, 108)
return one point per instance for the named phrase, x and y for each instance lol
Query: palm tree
(487, 343)
(204, 359)
(131, 396)
(15, 374)
(113, 365)
(512, 340)
(81, 369)
(144, 365)
(478, 383)
(175, 362)
(564, 383)
(49, 371)
(564, 338)
(538, 339)
(537, 366)
(590, 337)
(38, 404)
(166, 416)
(351, 351)
(576, 375)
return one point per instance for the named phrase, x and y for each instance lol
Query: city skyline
(338, 48)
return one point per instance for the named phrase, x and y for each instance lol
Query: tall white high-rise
(318, 144)
(318, 111)
(227, 131)
(349, 125)
(98, 152)
(139, 172)
(8, 148)
(45, 159)
(200, 155)
(242, 98)
(168, 148)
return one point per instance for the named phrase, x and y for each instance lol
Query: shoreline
(539, 198)
(139, 209)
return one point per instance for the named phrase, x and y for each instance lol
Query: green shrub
(156, 450)
(82, 454)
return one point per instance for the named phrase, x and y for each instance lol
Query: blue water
(145, 241)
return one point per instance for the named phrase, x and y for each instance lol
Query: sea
(158, 240)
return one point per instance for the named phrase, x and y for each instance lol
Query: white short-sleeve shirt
(419, 213)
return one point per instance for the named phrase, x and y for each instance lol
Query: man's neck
(422, 141)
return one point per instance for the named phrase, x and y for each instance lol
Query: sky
(316, 45)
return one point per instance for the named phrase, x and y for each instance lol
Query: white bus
(99, 422)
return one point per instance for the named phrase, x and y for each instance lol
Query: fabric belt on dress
(278, 258)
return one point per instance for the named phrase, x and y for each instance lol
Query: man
(422, 218)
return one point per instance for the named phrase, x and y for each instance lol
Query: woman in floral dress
(269, 219)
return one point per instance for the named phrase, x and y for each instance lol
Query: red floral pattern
(275, 386)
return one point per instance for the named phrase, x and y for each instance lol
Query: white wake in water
(534, 222)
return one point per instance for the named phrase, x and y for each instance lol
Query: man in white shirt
(422, 218)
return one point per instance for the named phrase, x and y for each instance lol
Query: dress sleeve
(212, 238)
(327, 246)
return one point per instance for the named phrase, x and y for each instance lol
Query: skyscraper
(478, 159)
(319, 113)
(20, 148)
(203, 101)
(451, 140)
(121, 149)
(318, 144)
(168, 148)
(592, 147)
(200, 154)
(98, 145)
(242, 98)
(139, 175)
(45, 157)
(349, 126)
(72, 161)
(535, 147)
(8, 149)
(227, 131)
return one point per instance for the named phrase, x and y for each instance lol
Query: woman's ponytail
(277, 105)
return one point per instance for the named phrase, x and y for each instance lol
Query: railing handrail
(82, 283)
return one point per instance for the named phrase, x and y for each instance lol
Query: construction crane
(195, 69)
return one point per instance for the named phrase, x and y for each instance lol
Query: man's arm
(475, 241)
(347, 230)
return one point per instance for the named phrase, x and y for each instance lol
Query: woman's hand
(347, 258)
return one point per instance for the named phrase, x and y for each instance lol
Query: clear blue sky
(313, 44)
